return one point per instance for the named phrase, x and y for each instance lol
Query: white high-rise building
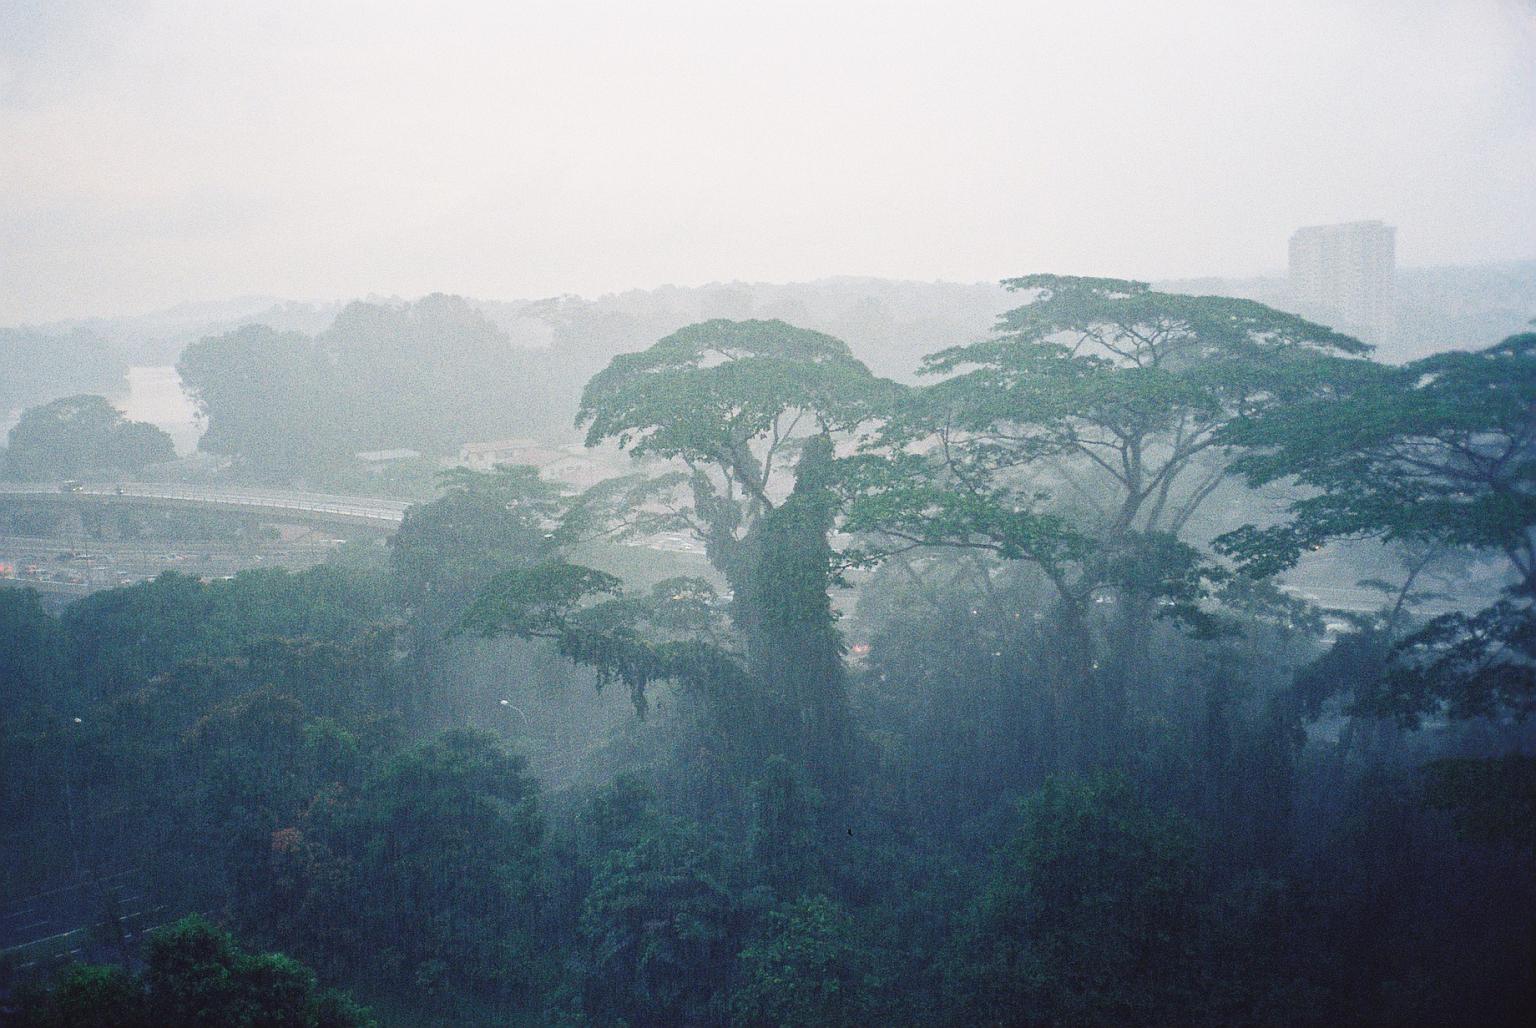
(1342, 275)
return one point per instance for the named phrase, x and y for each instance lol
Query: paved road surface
(385, 513)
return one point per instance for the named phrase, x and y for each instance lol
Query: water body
(155, 395)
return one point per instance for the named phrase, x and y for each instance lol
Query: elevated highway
(357, 512)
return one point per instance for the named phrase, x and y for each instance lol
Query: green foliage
(447, 550)
(85, 996)
(1492, 800)
(256, 762)
(1089, 917)
(33, 654)
(659, 925)
(547, 601)
(1437, 450)
(551, 601)
(1459, 665)
(538, 600)
(195, 974)
(37, 365)
(429, 375)
(807, 966)
(911, 500)
(80, 436)
(787, 830)
(1104, 387)
(798, 856)
(186, 721)
(705, 392)
(268, 399)
(429, 877)
(624, 507)
(120, 638)
(1082, 442)
(783, 610)
(727, 399)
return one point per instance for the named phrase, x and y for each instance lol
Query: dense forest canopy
(984, 703)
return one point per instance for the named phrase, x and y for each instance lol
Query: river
(155, 396)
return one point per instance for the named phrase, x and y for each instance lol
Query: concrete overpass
(357, 512)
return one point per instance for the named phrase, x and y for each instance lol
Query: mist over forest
(1003, 593)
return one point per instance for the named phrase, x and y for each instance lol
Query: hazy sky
(153, 152)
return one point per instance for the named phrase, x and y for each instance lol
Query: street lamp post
(69, 803)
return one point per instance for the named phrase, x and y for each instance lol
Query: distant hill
(159, 337)
(890, 323)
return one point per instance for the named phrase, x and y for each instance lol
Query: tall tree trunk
(782, 608)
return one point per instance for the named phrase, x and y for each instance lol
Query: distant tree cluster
(194, 974)
(81, 436)
(429, 376)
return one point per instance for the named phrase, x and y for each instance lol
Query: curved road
(353, 509)
(386, 515)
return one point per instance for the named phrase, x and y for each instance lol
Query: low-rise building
(485, 456)
(386, 456)
(569, 466)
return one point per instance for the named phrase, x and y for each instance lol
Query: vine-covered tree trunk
(784, 612)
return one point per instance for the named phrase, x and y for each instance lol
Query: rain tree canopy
(1080, 442)
(750, 409)
(732, 401)
(706, 390)
(1102, 395)
(637, 640)
(1440, 451)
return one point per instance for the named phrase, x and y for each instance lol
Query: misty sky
(154, 152)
